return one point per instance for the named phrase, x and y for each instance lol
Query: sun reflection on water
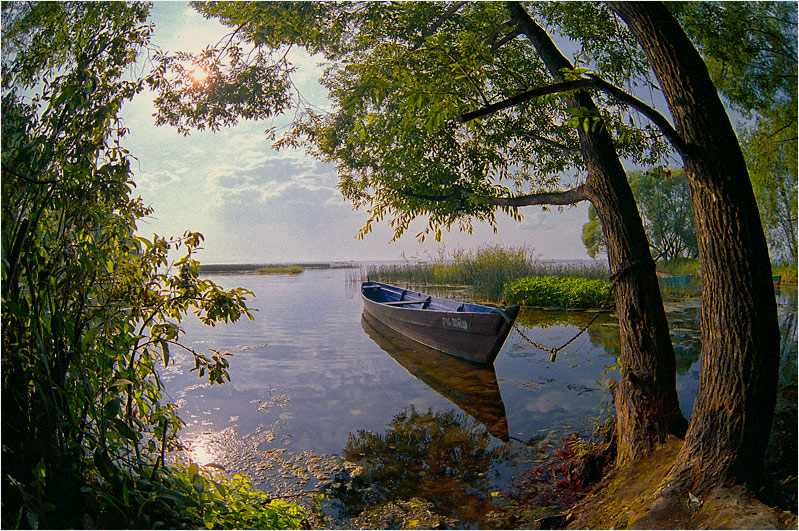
(201, 451)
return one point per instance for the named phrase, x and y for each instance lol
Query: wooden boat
(776, 280)
(470, 331)
(470, 386)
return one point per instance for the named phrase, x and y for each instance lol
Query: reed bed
(485, 271)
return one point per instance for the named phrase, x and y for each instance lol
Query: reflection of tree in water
(537, 317)
(782, 449)
(441, 457)
(604, 332)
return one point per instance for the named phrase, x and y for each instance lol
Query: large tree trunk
(645, 398)
(734, 407)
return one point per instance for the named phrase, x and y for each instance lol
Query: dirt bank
(624, 500)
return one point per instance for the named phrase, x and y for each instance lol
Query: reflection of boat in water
(470, 386)
(470, 331)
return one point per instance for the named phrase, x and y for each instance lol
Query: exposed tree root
(628, 498)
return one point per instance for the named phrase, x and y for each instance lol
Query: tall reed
(485, 270)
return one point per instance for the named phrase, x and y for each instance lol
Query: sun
(198, 74)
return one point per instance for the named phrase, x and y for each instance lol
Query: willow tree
(750, 49)
(732, 417)
(410, 84)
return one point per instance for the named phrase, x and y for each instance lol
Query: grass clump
(566, 292)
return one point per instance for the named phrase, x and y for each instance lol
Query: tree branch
(566, 197)
(556, 88)
(658, 119)
(590, 82)
(437, 24)
(566, 150)
(506, 39)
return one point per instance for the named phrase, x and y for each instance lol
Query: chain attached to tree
(604, 307)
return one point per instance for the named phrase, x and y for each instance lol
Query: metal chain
(553, 352)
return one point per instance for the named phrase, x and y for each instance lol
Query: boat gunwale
(487, 310)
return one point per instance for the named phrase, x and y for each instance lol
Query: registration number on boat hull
(455, 322)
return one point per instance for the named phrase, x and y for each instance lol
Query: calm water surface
(312, 385)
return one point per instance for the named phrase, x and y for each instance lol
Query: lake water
(314, 389)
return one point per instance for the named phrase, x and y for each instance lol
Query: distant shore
(267, 268)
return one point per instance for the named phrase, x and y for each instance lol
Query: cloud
(158, 180)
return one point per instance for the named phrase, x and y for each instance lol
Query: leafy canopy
(400, 75)
(750, 50)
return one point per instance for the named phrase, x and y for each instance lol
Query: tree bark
(734, 407)
(645, 398)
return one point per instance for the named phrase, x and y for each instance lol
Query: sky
(257, 205)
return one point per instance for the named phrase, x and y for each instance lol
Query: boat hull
(468, 331)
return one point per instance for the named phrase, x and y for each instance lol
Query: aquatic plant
(440, 457)
(556, 291)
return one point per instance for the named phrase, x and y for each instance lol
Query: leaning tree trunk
(734, 407)
(645, 398)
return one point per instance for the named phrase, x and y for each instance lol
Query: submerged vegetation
(451, 455)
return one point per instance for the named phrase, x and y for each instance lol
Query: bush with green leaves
(566, 292)
(181, 496)
(90, 310)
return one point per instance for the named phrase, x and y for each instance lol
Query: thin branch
(511, 72)
(506, 39)
(437, 24)
(658, 119)
(566, 150)
(499, 29)
(468, 77)
(30, 180)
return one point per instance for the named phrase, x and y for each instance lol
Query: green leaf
(112, 408)
(193, 471)
(125, 431)
(165, 352)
